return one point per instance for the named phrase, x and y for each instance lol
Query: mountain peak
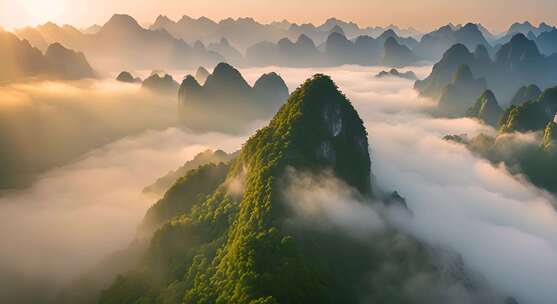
(387, 34)
(518, 49)
(486, 109)
(303, 39)
(163, 19)
(470, 27)
(319, 105)
(519, 39)
(525, 93)
(337, 29)
(227, 73)
(121, 22)
(201, 74)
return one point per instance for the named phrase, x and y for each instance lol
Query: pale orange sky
(421, 14)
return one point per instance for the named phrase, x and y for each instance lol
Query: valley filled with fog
(117, 139)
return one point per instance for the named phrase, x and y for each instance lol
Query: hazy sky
(422, 14)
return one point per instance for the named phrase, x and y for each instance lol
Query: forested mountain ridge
(239, 245)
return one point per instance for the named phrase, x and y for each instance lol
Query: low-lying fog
(504, 228)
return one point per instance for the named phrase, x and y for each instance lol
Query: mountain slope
(486, 109)
(524, 94)
(533, 115)
(161, 185)
(244, 247)
(459, 96)
(397, 55)
(550, 137)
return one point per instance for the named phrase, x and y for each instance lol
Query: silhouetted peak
(121, 22)
(457, 51)
(446, 29)
(519, 48)
(518, 27)
(271, 86)
(161, 84)
(269, 78)
(388, 34)
(284, 43)
(304, 40)
(227, 75)
(519, 39)
(190, 82)
(470, 27)
(204, 19)
(224, 69)
(336, 37)
(56, 47)
(127, 77)
(162, 21)
(337, 29)
(49, 26)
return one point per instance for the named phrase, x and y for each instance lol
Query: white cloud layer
(504, 228)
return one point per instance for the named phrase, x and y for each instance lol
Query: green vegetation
(537, 161)
(486, 109)
(161, 185)
(550, 137)
(241, 247)
(533, 115)
(194, 187)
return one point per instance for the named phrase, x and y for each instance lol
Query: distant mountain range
(189, 42)
(207, 30)
(226, 102)
(525, 28)
(19, 60)
(337, 50)
(125, 45)
(516, 63)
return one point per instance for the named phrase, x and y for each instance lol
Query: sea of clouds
(504, 228)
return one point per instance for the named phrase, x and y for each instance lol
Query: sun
(41, 11)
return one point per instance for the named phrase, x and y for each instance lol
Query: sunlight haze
(423, 15)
